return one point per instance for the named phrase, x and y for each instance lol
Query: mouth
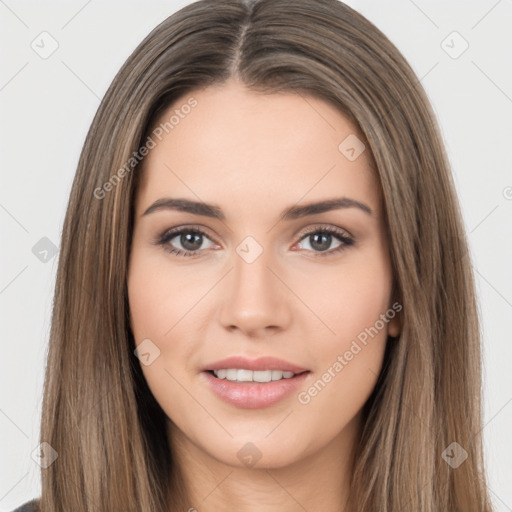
(253, 384)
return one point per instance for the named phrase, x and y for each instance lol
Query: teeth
(240, 375)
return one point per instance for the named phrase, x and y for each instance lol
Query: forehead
(238, 146)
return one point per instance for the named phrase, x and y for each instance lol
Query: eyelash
(165, 237)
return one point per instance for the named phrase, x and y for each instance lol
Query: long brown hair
(98, 412)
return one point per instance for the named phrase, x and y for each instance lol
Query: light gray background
(48, 104)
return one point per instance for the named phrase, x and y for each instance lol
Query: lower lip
(254, 395)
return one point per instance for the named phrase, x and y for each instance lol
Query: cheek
(158, 303)
(350, 298)
(160, 294)
(163, 300)
(355, 306)
(364, 294)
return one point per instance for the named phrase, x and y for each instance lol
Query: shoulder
(29, 506)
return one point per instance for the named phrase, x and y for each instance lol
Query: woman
(263, 298)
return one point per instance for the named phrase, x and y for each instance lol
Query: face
(311, 288)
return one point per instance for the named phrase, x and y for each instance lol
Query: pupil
(322, 246)
(188, 242)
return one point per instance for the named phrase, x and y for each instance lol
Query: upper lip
(261, 363)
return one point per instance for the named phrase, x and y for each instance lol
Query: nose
(256, 300)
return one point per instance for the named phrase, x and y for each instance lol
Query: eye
(190, 239)
(320, 239)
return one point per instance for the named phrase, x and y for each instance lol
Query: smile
(242, 375)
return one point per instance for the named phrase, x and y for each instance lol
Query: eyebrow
(290, 213)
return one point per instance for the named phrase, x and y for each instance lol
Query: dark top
(29, 506)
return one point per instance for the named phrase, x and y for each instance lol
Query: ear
(396, 307)
(395, 326)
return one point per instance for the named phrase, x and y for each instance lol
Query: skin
(253, 155)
